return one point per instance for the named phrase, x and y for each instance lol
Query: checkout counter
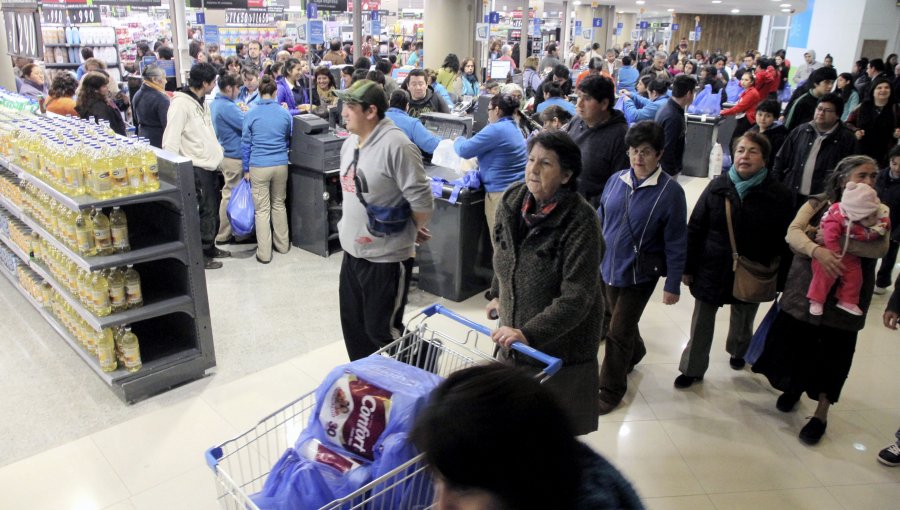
(456, 263)
(314, 185)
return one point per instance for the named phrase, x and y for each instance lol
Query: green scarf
(743, 185)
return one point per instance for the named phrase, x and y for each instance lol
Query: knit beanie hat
(858, 201)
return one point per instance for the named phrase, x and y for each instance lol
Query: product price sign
(250, 17)
(218, 4)
(83, 15)
(211, 34)
(54, 15)
(23, 33)
(332, 5)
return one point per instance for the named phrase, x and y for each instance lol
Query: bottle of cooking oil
(84, 233)
(121, 186)
(85, 292)
(149, 168)
(102, 173)
(117, 298)
(69, 229)
(119, 230)
(102, 234)
(36, 246)
(131, 350)
(100, 296)
(46, 294)
(53, 218)
(74, 175)
(133, 163)
(133, 290)
(106, 350)
(71, 276)
(118, 331)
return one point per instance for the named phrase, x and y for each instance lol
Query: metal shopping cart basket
(242, 464)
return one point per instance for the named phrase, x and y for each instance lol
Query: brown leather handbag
(753, 282)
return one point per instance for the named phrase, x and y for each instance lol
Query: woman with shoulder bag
(813, 354)
(643, 213)
(745, 214)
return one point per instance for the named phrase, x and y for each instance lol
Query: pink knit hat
(858, 201)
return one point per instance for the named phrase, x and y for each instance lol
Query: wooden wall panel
(720, 33)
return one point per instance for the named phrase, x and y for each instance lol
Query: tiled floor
(67, 443)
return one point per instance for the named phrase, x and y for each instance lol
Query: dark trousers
(624, 346)
(695, 357)
(206, 184)
(883, 279)
(372, 298)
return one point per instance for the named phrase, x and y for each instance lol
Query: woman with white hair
(523, 122)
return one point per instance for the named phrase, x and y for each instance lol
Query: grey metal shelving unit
(173, 325)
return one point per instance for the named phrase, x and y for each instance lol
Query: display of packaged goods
(10, 260)
(78, 157)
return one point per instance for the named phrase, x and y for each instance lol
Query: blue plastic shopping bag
(733, 90)
(699, 98)
(241, 213)
(758, 341)
(785, 94)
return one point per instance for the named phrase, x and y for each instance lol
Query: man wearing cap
(298, 52)
(387, 204)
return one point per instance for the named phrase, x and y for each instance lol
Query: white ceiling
(746, 7)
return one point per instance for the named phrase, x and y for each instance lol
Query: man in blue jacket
(671, 119)
(414, 129)
(553, 96)
(628, 75)
(228, 121)
(638, 108)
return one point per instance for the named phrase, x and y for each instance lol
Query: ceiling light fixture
(640, 2)
(670, 10)
(716, 1)
(576, 3)
(785, 10)
(735, 11)
(784, 5)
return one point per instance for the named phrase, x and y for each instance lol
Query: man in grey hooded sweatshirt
(381, 172)
(804, 70)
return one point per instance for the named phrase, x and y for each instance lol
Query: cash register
(456, 262)
(314, 184)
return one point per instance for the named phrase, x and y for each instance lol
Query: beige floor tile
(793, 499)
(633, 406)
(879, 496)
(318, 363)
(716, 396)
(192, 490)
(645, 454)
(244, 402)
(846, 454)
(737, 454)
(871, 383)
(161, 445)
(122, 505)
(74, 475)
(885, 421)
(679, 503)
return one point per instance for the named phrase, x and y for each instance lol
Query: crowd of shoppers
(583, 205)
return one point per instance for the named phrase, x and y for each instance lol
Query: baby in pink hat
(859, 216)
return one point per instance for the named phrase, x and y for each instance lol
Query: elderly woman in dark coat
(547, 251)
(151, 106)
(812, 354)
(761, 211)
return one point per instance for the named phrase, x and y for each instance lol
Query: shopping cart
(242, 464)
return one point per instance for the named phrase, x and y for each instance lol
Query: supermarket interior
(148, 367)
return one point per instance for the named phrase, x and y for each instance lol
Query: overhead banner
(131, 3)
(218, 4)
(332, 5)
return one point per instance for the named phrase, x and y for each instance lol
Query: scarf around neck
(154, 86)
(744, 185)
(534, 213)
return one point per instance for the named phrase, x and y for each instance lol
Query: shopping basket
(242, 464)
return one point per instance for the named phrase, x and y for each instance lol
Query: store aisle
(720, 445)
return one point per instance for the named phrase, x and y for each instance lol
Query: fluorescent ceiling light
(576, 2)
(640, 2)
(670, 10)
(716, 1)
(735, 11)
(784, 5)
(785, 10)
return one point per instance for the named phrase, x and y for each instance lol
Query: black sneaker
(217, 253)
(890, 456)
(607, 407)
(737, 363)
(685, 381)
(230, 240)
(787, 401)
(210, 263)
(813, 431)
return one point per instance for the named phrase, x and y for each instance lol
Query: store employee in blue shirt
(553, 96)
(413, 128)
(228, 122)
(500, 149)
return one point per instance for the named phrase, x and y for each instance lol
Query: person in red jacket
(745, 109)
(767, 78)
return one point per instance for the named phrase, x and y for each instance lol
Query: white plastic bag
(445, 155)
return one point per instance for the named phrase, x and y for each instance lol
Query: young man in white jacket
(189, 133)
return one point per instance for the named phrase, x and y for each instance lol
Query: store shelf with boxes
(66, 30)
(93, 265)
